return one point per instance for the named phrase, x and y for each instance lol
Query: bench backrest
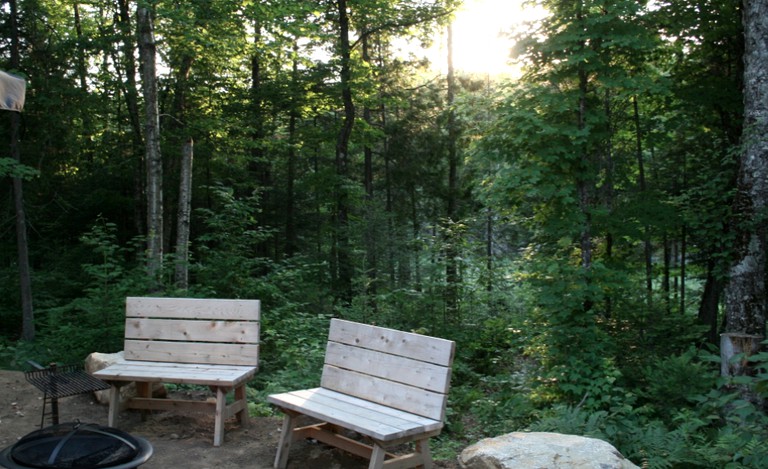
(192, 330)
(402, 370)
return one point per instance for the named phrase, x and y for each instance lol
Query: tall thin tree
(154, 162)
(343, 257)
(451, 267)
(25, 278)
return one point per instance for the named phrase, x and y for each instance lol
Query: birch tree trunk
(745, 299)
(154, 161)
(183, 219)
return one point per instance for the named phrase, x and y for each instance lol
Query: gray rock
(543, 451)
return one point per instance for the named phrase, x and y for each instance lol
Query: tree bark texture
(745, 300)
(154, 161)
(183, 220)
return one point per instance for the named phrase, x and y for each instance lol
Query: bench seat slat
(376, 421)
(178, 373)
(396, 418)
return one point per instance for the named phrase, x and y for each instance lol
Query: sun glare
(481, 36)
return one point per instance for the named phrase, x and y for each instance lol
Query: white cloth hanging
(12, 91)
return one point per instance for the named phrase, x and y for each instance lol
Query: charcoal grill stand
(59, 381)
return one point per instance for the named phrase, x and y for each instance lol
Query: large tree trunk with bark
(745, 299)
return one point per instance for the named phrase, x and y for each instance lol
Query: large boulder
(543, 451)
(98, 361)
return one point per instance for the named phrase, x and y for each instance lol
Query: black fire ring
(77, 445)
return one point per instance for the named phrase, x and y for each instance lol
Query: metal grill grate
(59, 381)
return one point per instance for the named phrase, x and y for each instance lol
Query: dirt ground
(179, 441)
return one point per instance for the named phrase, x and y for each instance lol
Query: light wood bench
(206, 342)
(386, 385)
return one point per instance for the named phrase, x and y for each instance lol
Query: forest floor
(178, 440)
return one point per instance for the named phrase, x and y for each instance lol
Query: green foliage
(11, 168)
(681, 421)
(669, 383)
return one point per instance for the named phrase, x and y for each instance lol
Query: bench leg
(284, 445)
(218, 427)
(242, 416)
(144, 391)
(422, 448)
(377, 457)
(114, 405)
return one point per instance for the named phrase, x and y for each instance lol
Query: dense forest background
(572, 230)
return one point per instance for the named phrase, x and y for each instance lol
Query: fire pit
(77, 445)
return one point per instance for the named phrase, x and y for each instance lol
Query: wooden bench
(206, 342)
(388, 386)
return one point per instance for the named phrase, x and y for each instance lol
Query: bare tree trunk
(583, 190)
(81, 66)
(451, 267)
(647, 247)
(745, 293)
(183, 220)
(291, 238)
(132, 102)
(343, 257)
(371, 228)
(152, 134)
(710, 301)
(22, 244)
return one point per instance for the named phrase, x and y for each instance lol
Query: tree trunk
(451, 267)
(82, 70)
(647, 247)
(582, 186)
(745, 299)
(291, 238)
(22, 245)
(371, 228)
(710, 302)
(152, 143)
(343, 257)
(184, 169)
(132, 102)
(183, 220)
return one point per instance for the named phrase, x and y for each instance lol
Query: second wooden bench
(386, 385)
